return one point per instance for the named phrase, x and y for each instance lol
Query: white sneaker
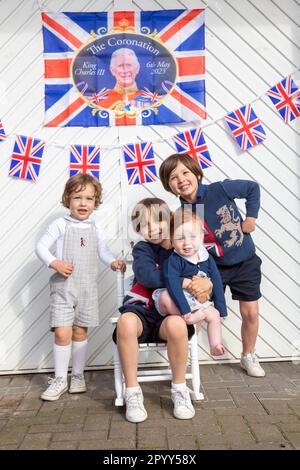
(57, 387)
(183, 408)
(77, 384)
(135, 410)
(251, 365)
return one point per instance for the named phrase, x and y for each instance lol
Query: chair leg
(195, 369)
(118, 377)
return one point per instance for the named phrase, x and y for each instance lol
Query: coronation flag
(139, 163)
(2, 133)
(245, 127)
(285, 96)
(82, 85)
(26, 158)
(193, 142)
(85, 159)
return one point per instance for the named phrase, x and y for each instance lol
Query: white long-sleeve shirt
(55, 234)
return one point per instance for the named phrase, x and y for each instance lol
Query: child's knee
(79, 333)
(128, 324)
(63, 336)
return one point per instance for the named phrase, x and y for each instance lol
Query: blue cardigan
(176, 267)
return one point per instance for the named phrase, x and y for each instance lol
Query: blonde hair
(78, 183)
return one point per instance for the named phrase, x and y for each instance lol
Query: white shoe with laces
(251, 365)
(135, 410)
(77, 384)
(183, 408)
(57, 386)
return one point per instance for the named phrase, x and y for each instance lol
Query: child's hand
(201, 288)
(187, 317)
(119, 264)
(248, 225)
(62, 267)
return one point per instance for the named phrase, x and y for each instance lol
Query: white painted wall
(251, 44)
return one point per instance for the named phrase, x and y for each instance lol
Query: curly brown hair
(78, 183)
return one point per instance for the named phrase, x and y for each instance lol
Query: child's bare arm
(62, 267)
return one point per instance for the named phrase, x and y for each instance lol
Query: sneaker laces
(181, 398)
(55, 383)
(77, 379)
(134, 400)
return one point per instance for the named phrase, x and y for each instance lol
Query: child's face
(82, 203)
(183, 182)
(188, 238)
(153, 230)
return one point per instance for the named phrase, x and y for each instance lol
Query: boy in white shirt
(73, 288)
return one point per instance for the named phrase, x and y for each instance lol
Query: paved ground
(239, 412)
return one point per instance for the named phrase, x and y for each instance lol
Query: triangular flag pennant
(245, 127)
(140, 163)
(193, 142)
(26, 158)
(85, 159)
(2, 133)
(286, 98)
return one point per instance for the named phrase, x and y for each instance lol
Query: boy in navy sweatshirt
(227, 238)
(190, 258)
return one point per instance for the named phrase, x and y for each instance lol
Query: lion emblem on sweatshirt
(230, 224)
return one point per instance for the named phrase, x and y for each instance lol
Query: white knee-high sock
(79, 349)
(62, 356)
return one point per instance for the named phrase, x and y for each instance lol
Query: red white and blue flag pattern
(2, 133)
(139, 163)
(85, 159)
(180, 31)
(285, 96)
(26, 158)
(245, 127)
(193, 142)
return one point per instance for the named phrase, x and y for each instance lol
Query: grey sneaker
(57, 387)
(251, 365)
(77, 384)
(183, 408)
(135, 410)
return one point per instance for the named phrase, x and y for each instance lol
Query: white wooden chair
(163, 373)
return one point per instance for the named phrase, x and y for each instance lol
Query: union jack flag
(286, 98)
(2, 133)
(245, 127)
(139, 163)
(26, 158)
(85, 159)
(193, 143)
(66, 35)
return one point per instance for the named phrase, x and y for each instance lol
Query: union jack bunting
(82, 86)
(286, 98)
(26, 158)
(245, 127)
(139, 163)
(2, 133)
(193, 143)
(211, 243)
(85, 159)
